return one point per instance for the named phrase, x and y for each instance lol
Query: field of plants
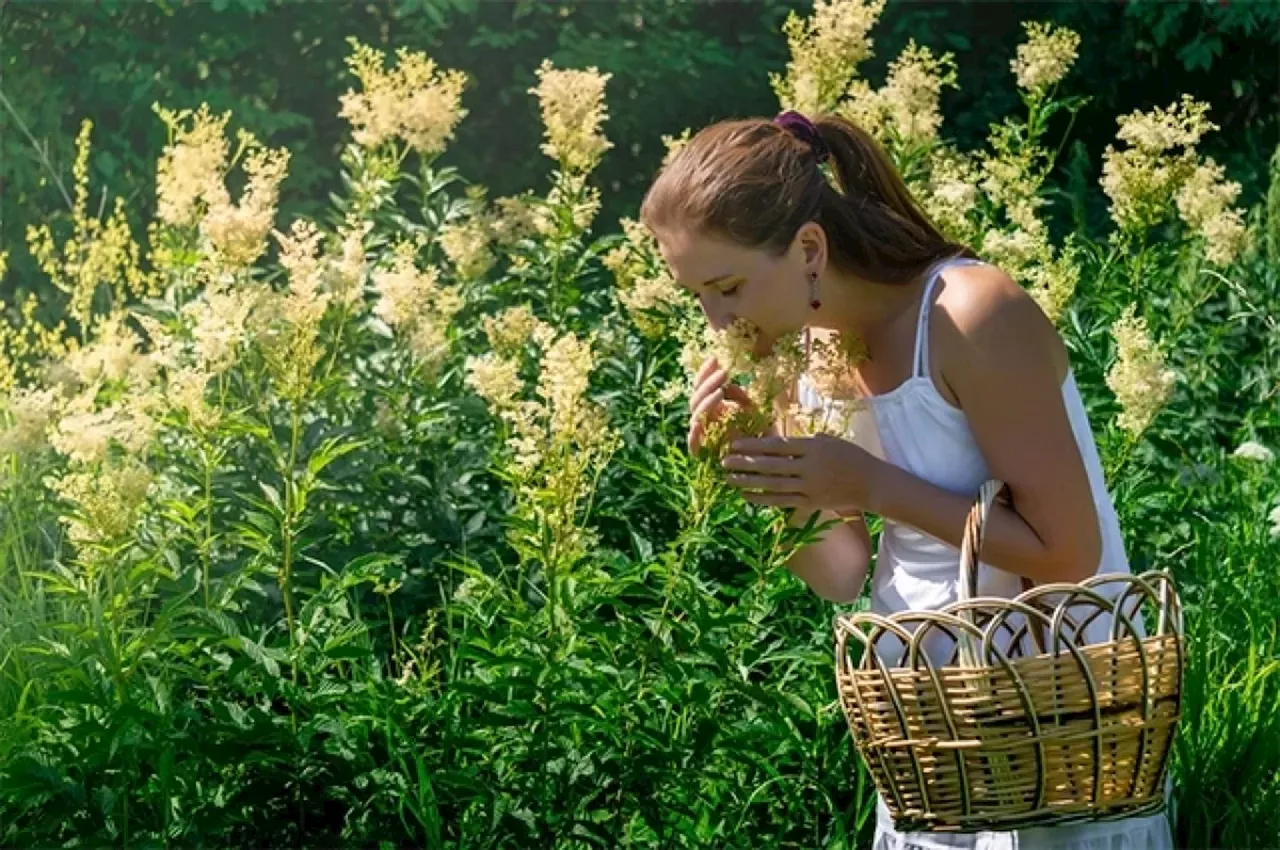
(379, 529)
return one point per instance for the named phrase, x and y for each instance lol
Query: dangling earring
(813, 291)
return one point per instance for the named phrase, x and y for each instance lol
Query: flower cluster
(1139, 378)
(646, 289)
(573, 109)
(416, 305)
(1161, 168)
(906, 109)
(238, 232)
(98, 253)
(826, 49)
(414, 102)
(557, 439)
(511, 330)
(1046, 56)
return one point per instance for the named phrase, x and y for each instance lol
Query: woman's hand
(714, 398)
(820, 473)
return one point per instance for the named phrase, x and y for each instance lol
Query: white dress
(912, 426)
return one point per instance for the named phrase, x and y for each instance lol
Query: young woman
(963, 375)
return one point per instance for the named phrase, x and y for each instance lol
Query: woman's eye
(731, 289)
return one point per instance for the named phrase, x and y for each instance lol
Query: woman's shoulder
(982, 315)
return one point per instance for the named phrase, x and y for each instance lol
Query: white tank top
(912, 426)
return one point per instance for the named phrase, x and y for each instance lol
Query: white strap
(920, 359)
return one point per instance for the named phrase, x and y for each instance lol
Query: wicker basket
(1028, 722)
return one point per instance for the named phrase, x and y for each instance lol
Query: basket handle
(974, 529)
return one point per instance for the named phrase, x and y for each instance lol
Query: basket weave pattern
(1028, 722)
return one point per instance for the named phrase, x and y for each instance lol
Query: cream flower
(238, 232)
(826, 49)
(907, 107)
(1250, 450)
(573, 109)
(415, 102)
(1141, 382)
(31, 412)
(191, 164)
(107, 501)
(495, 378)
(511, 329)
(466, 244)
(1046, 57)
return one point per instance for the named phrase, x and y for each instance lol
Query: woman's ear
(812, 240)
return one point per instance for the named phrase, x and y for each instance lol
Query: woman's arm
(834, 567)
(997, 351)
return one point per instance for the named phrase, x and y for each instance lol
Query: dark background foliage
(278, 65)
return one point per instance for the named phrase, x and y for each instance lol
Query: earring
(813, 291)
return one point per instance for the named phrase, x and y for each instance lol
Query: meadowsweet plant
(1160, 170)
(1139, 378)
(825, 50)
(557, 442)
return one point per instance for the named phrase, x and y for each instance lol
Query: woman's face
(732, 282)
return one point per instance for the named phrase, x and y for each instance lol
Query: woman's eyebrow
(710, 282)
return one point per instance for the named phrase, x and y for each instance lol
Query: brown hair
(756, 183)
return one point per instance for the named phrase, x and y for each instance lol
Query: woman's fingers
(711, 382)
(733, 392)
(708, 366)
(761, 464)
(767, 483)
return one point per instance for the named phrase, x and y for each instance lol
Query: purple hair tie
(802, 128)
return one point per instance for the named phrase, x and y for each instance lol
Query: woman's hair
(755, 183)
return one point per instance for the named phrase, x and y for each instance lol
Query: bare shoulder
(982, 313)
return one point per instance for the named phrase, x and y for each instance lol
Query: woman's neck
(865, 309)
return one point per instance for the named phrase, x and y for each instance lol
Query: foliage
(377, 529)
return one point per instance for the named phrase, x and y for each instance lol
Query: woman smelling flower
(963, 376)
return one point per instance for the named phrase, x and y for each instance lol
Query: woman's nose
(719, 320)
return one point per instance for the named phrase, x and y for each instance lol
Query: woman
(964, 377)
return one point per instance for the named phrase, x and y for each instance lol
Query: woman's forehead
(699, 255)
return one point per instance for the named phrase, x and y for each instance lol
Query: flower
(495, 378)
(218, 327)
(85, 434)
(1275, 521)
(32, 411)
(238, 232)
(950, 193)
(513, 219)
(106, 501)
(97, 253)
(573, 109)
(466, 244)
(825, 48)
(1046, 56)
(1138, 378)
(112, 356)
(191, 164)
(186, 392)
(1203, 202)
(907, 107)
(566, 371)
(511, 329)
(1250, 450)
(405, 292)
(414, 102)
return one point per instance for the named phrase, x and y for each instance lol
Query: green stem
(391, 618)
(290, 502)
(207, 543)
